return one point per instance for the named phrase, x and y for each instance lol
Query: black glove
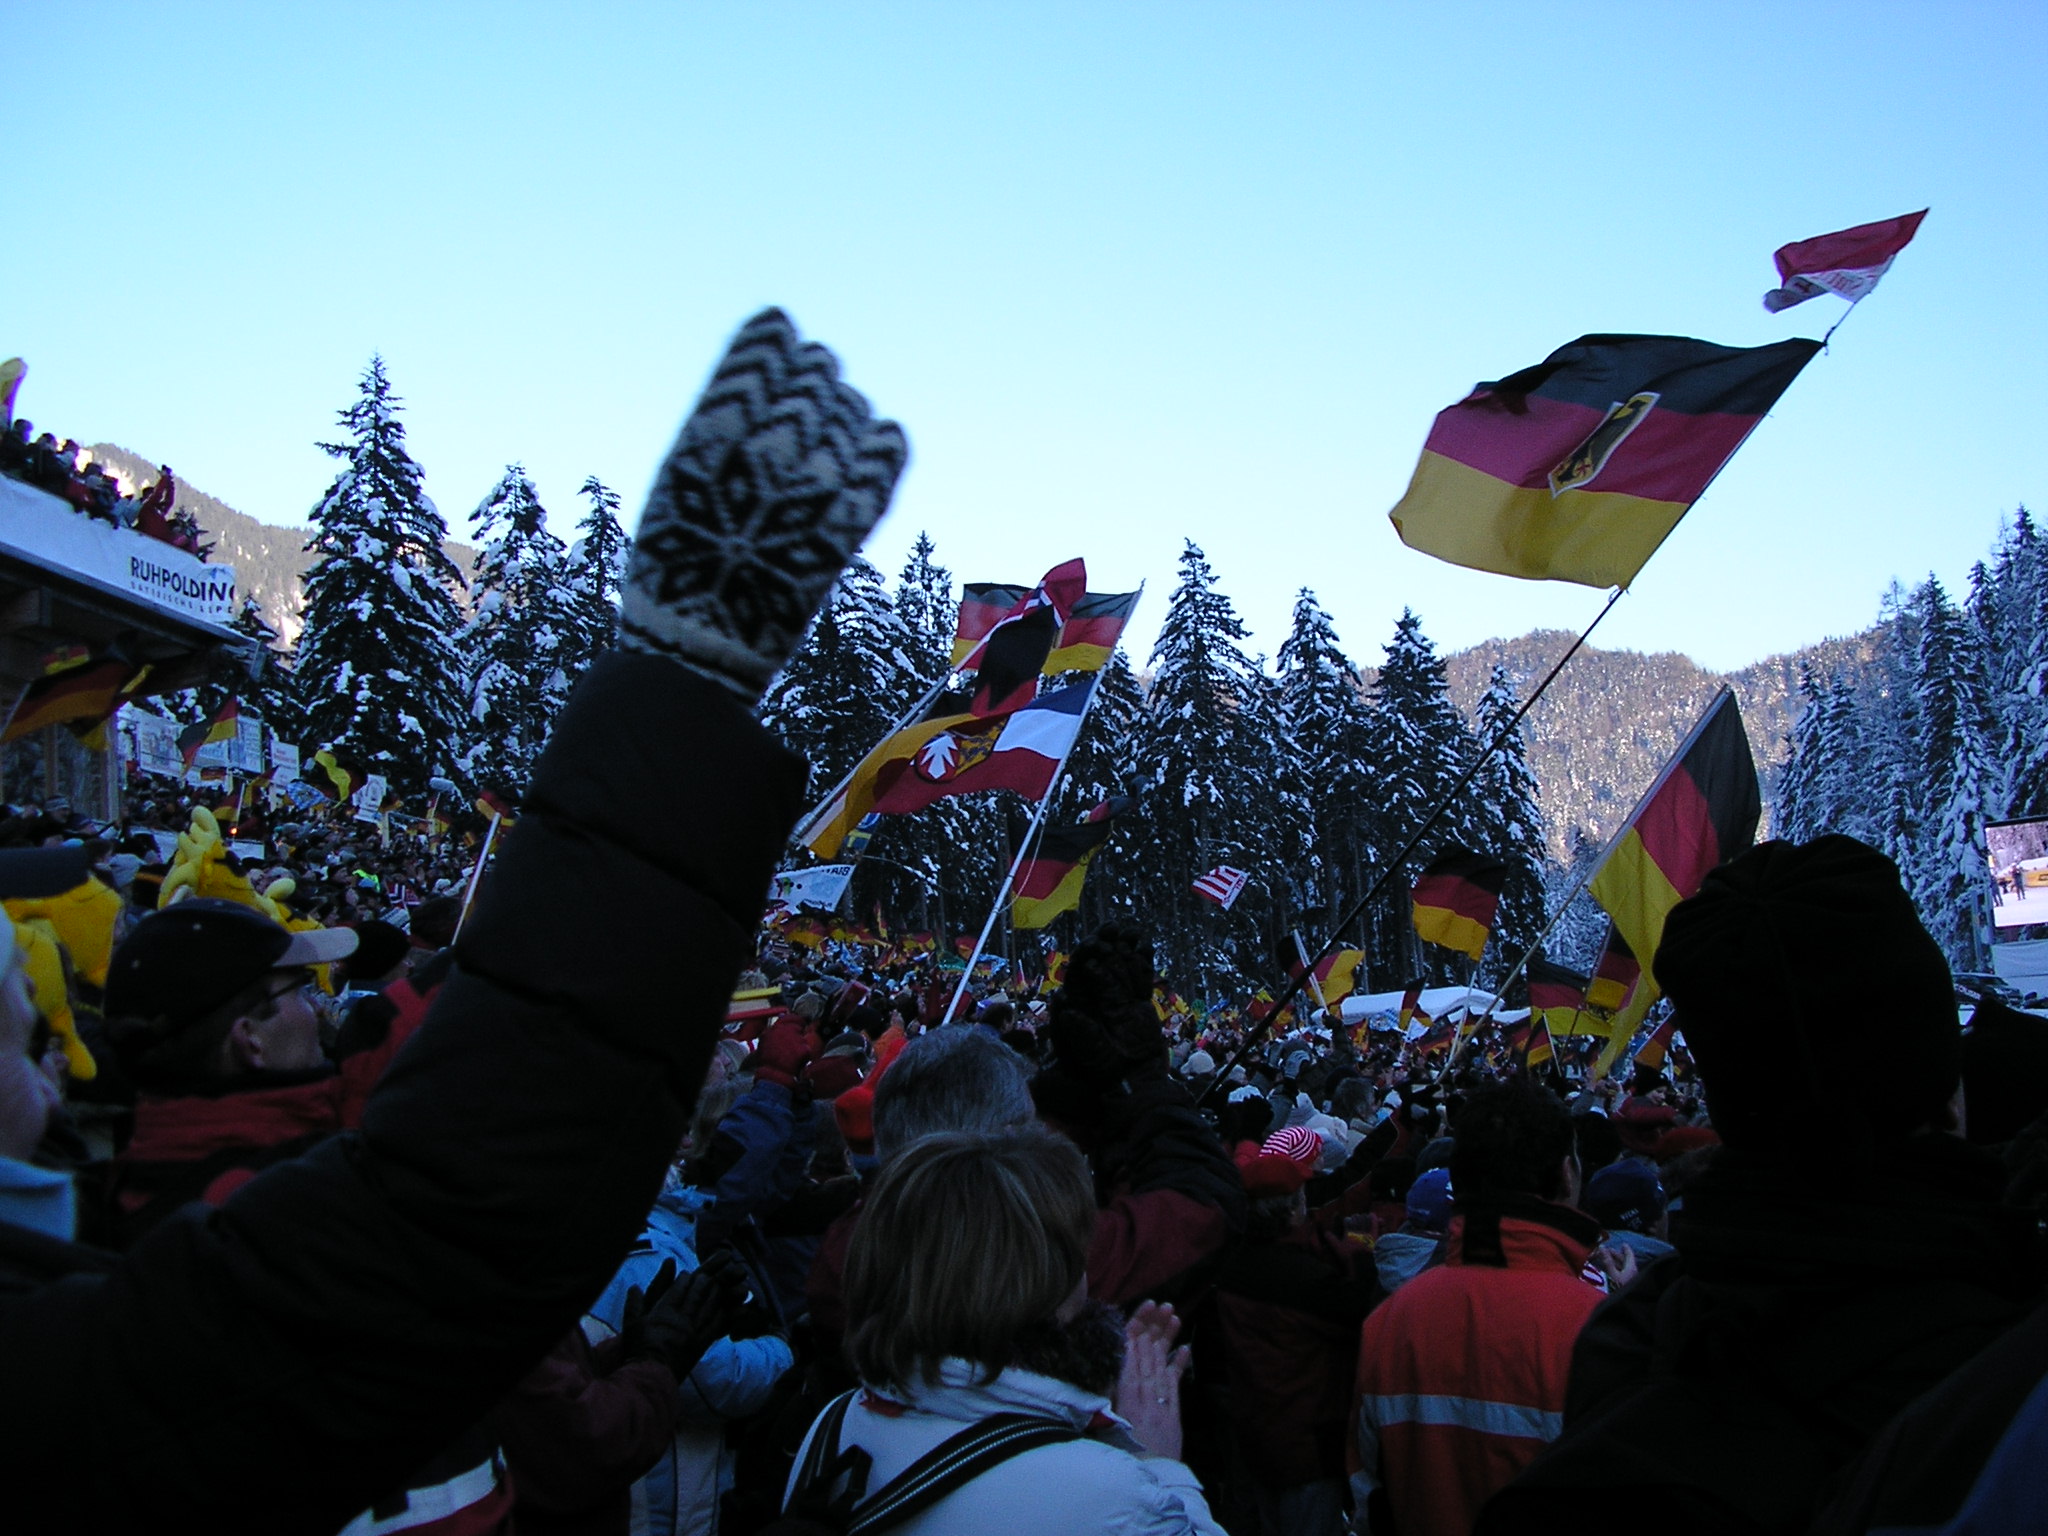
(676, 1321)
(777, 477)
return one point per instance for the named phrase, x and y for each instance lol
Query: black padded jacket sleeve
(277, 1364)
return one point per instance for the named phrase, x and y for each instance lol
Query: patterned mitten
(777, 477)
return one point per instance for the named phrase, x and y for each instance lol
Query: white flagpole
(1037, 822)
(476, 875)
(1023, 852)
(1315, 986)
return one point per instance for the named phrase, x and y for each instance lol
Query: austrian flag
(1849, 262)
(1222, 885)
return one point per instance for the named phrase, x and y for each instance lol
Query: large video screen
(2019, 874)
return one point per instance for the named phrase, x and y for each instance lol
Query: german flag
(1411, 1008)
(76, 688)
(1577, 468)
(1531, 1045)
(1091, 632)
(1007, 661)
(1556, 996)
(1051, 883)
(498, 804)
(1336, 974)
(335, 774)
(1615, 974)
(1456, 898)
(221, 725)
(1083, 644)
(1702, 811)
(919, 943)
(1657, 1047)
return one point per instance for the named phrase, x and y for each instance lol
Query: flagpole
(1393, 866)
(1829, 334)
(476, 875)
(1301, 949)
(1023, 851)
(1037, 822)
(808, 827)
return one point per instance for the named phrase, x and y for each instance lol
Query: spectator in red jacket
(1462, 1372)
(1289, 1302)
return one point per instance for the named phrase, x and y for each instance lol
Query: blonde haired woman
(995, 1394)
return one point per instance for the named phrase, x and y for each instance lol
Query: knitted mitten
(777, 477)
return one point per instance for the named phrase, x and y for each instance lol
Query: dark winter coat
(1975, 1443)
(1737, 1380)
(1289, 1313)
(204, 1147)
(272, 1365)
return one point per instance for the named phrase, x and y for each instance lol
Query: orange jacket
(1462, 1372)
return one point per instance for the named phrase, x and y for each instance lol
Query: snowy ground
(2028, 905)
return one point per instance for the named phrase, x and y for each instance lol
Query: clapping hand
(1148, 1388)
(674, 1321)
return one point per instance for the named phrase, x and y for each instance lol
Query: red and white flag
(1849, 262)
(1222, 885)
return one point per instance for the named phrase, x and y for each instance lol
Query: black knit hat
(1818, 1010)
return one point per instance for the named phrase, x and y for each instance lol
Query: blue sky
(1127, 273)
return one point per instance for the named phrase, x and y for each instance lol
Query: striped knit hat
(1297, 1142)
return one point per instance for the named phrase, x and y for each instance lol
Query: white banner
(150, 742)
(40, 526)
(245, 752)
(284, 760)
(369, 798)
(820, 886)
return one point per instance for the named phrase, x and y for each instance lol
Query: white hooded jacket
(1097, 1484)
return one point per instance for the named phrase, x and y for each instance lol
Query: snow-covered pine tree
(376, 665)
(518, 630)
(1321, 758)
(1504, 795)
(950, 848)
(1792, 808)
(590, 580)
(930, 612)
(2022, 647)
(1576, 937)
(1959, 782)
(1194, 747)
(1420, 747)
(1105, 765)
(848, 682)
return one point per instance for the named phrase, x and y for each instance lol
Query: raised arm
(277, 1364)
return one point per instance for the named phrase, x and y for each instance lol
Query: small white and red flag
(1849, 262)
(1222, 885)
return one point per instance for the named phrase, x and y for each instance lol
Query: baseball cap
(1429, 1200)
(191, 958)
(1625, 1196)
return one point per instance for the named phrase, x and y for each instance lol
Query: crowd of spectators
(71, 474)
(611, 1213)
